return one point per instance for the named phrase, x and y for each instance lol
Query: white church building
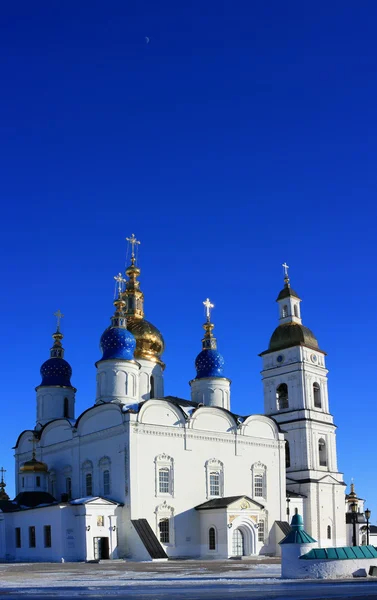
(141, 475)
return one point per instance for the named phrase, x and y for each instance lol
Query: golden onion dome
(34, 466)
(149, 341)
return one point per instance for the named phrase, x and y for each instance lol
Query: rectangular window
(88, 484)
(47, 535)
(261, 531)
(31, 537)
(214, 484)
(38, 481)
(68, 487)
(258, 486)
(164, 531)
(163, 481)
(18, 537)
(106, 483)
(212, 539)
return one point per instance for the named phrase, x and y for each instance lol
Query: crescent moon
(147, 40)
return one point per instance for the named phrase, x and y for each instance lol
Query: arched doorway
(238, 545)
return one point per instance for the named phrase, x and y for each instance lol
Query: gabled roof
(93, 500)
(225, 502)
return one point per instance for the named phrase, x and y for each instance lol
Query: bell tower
(294, 378)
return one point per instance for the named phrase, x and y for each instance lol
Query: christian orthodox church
(142, 475)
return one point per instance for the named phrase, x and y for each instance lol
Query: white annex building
(142, 475)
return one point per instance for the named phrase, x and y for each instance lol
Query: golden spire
(133, 296)
(57, 350)
(3, 494)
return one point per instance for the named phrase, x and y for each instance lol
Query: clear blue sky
(241, 136)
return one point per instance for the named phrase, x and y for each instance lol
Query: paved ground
(186, 580)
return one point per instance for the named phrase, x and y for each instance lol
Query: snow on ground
(80, 575)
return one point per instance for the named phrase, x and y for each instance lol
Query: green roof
(297, 535)
(343, 553)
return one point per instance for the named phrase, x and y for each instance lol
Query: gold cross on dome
(33, 440)
(134, 242)
(120, 281)
(208, 306)
(59, 315)
(285, 267)
(2, 471)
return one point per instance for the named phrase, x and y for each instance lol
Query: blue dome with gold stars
(209, 363)
(117, 342)
(56, 371)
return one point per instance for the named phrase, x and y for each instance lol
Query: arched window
(68, 487)
(285, 311)
(88, 484)
(106, 482)
(317, 395)
(214, 483)
(295, 310)
(66, 407)
(329, 532)
(151, 387)
(287, 455)
(211, 539)
(322, 453)
(282, 396)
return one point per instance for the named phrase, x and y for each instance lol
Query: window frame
(89, 487)
(212, 539)
(47, 537)
(258, 469)
(261, 531)
(166, 532)
(164, 462)
(165, 512)
(214, 466)
(18, 538)
(32, 537)
(106, 482)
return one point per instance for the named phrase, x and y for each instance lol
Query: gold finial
(208, 305)
(33, 440)
(209, 341)
(133, 242)
(3, 494)
(59, 315)
(120, 281)
(286, 276)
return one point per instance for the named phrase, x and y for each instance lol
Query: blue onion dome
(116, 341)
(56, 370)
(209, 362)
